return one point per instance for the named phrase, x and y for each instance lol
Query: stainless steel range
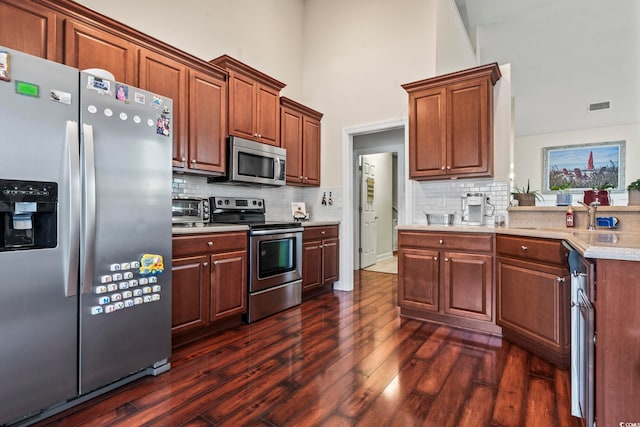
(275, 255)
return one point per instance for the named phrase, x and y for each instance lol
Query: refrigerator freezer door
(38, 323)
(125, 304)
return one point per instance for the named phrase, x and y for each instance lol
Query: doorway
(377, 180)
(349, 224)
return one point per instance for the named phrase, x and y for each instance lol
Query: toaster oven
(190, 211)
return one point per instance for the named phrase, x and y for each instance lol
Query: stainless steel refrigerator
(85, 220)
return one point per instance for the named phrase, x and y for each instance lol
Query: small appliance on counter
(189, 212)
(299, 212)
(473, 208)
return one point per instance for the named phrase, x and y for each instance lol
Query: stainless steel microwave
(252, 162)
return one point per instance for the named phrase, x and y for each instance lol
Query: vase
(525, 199)
(563, 199)
(634, 198)
(601, 196)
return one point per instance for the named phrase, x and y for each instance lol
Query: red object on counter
(569, 217)
(602, 196)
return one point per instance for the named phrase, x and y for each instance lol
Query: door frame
(350, 215)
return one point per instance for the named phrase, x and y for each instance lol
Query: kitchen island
(616, 297)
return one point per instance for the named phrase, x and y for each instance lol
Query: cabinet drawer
(467, 242)
(532, 249)
(205, 243)
(320, 232)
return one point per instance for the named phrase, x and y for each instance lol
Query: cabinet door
(87, 47)
(427, 133)
(228, 284)
(311, 151)
(468, 136)
(330, 260)
(311, 265)
(268, 115)
(29, 28)
(242, 106)
(468, 280)
(533, 301)
(418, 279)
(166, 77)
(291, 140)
(189, 293)
(207, 122)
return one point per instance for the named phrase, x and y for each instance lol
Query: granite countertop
(208, 228)
(602, 243)
(318, 223)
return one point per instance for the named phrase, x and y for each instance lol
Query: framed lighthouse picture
(575, 168)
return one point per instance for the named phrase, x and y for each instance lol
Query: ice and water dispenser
(28, 215)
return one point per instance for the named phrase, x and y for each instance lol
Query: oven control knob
(226, 202)
(260, 203)
(255, 202)
(219, 202)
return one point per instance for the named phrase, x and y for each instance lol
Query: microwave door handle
(277, 170)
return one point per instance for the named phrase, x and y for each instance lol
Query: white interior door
(368, 230)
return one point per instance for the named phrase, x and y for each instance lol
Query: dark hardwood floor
(342, 359)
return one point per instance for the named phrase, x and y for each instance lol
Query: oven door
(275, 258)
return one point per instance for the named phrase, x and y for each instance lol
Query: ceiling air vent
(597, 106)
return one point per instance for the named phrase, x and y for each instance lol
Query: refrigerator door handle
(89, 211)
(72, 143)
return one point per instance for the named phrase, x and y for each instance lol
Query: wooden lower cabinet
(447, 278)
(320, 259)
(533, 296)
(617, 358)
(209, 284)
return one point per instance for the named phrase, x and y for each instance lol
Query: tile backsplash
(446, 197)
(277, 199)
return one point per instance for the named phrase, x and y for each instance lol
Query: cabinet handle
(205, 264)
(209, 243)
(301, 177)
(448, 167)
(183, 160)
(323, 232)
(193, 161)
(435, 258)
(441, 241)
(523, 247)
(215, 263)
(446, 260)
(442, 168)
(560, 279)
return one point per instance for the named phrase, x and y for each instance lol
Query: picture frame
(584, 166)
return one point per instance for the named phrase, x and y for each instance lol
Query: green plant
(527, 190)
(634, 186)
(561, 187)
(603, 186)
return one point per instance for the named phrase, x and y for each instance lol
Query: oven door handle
(276, 231)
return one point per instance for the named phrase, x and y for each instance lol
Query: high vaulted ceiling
(564, 55)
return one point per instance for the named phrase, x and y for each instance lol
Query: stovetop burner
(245, 211)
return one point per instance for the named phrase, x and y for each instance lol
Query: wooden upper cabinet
(167, 77)
(300, 136)
(253, 102)
(451, 124)
(90, 47)
(207, 122)
(29, 28)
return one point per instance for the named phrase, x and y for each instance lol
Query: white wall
(265, 34)
(357, 54)
(529, 161)
(453, 49)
